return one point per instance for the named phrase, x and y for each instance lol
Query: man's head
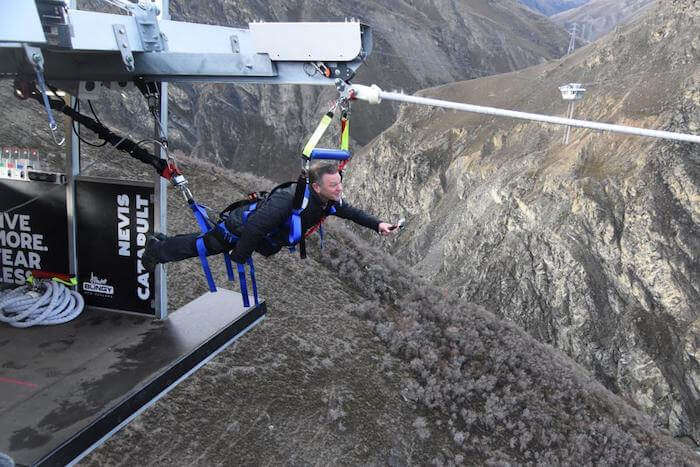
(325, 181)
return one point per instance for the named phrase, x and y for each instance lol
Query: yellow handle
(318, 133)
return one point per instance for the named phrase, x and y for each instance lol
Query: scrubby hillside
(593, 247)
(360, 362)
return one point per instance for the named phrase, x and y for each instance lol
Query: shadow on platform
(65, 388)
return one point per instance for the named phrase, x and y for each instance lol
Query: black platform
(65, 388)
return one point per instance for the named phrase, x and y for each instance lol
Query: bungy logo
(98, 286)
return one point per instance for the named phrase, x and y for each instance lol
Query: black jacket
(265, 230)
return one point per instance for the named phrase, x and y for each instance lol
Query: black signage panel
(113, 220)
(35, 235)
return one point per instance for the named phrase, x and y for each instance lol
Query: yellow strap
(320, 130)
(72, 282)
(345, 137)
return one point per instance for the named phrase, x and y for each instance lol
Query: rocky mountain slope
(362, 363)
(552, 7)
(376, 366)
(594, 246)
(417, 45)
(598, 17)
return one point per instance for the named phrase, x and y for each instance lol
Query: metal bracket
(235, 46)
(35, 57)
(123, 45)
(147, 24)
(342, 71)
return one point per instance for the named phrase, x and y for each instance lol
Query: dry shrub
(507, 397)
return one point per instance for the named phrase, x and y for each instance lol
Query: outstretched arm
(358, 216)
(385, 228)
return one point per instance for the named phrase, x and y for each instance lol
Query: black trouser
(185, 246)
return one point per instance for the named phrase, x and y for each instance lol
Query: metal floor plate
(62, 388)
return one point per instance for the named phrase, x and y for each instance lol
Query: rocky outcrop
(593, 247)
(598, 17)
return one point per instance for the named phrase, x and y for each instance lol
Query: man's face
(330, 187)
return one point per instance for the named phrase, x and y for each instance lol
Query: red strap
(50, 275)
(170, 171)
(315, 227)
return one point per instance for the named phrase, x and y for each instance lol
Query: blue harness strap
(200, 213)
(205, 225)
(229, 266)
(294, 222)
(247, 212)
(244, 286)
(202, 251)
(252, 280)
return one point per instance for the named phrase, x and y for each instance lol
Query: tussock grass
(507, 397)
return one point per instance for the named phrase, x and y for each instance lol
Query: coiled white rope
(46, 303)
(6, 461)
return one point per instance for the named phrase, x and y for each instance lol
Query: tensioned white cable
(375, 95)
(28, 306)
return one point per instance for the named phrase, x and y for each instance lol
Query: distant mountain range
(551, 7)
(598, 17)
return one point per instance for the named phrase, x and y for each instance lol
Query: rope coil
(46, 303)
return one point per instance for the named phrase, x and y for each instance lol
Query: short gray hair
(319, 169)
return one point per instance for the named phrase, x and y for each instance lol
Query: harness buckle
(173, 173)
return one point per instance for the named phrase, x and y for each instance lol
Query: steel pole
(160, 216)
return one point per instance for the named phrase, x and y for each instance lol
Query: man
(265, 229)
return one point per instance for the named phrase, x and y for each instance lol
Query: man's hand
(237, 257)
(387, 229)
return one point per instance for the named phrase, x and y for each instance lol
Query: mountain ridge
(560, 238)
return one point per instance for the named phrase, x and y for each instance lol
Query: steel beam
(111, 47)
